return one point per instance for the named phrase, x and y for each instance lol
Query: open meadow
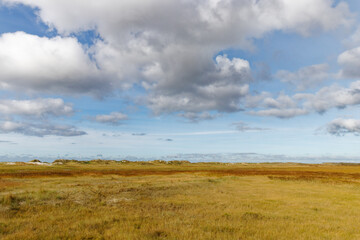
(179, 200)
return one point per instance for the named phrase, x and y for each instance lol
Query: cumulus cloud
(166, 46)
(53, 65)
(254, 100)
(281, 113)
(326, 98)
(340, 127)
(350, 63)
(39, 130)
(114, 118)
(333, 96)
(283, 106)
(41, 107)
(306, 77)
(220, 88)
(303, 17)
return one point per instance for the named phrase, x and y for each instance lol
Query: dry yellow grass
(186, 201)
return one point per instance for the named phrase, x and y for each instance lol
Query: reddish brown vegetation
(274, 173)
(5, 184)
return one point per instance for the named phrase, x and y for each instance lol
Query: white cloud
(340, 127)
(306, 77)
(112, 118)
(220, 88)
(53, 65)
(39, 130)
(350, 62)
(283, 106)
(281, 113)
(253, 101)
(332, 96)
(38, 107)
(326, 98)
(283, 101)
(222, 98)
(252, 17)
(168, 46)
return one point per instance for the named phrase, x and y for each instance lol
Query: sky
(200, 80)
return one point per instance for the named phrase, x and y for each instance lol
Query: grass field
(111, 200)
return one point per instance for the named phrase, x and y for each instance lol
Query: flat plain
(179, 200)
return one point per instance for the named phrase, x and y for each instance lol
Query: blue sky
(202, 80)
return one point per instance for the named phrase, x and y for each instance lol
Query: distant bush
(178, 162)
(64, 161)
(158, 162)
(35, 161)
(143, 162)
(101, 161)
